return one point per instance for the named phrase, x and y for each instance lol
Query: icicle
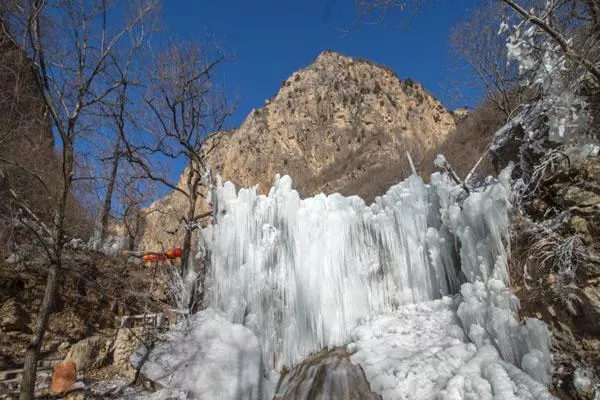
(303, 273)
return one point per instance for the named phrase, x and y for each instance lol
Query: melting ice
(303, 274)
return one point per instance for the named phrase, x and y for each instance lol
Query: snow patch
(205, 357)
(419, 352)
(303, 274)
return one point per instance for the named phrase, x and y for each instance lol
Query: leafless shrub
(184, 293)
(551, 162)
(470, 140)
(555, 260)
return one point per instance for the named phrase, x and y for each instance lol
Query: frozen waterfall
(304, 273)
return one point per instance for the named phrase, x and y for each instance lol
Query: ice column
(302, 273)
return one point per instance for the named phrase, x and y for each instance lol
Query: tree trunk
(106, 207)
(34, 347)
(186, 264)
(35, 344)
(187, 239)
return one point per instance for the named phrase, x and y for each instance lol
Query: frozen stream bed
(296, 276)
(420, 352)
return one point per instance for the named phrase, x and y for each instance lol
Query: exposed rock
(569, 286)
(579, 227)
(127, 340)
(460, 114)
(76, 395)
(63, 347)
(327, 375)
(591, 308)
(14, 258)
(89, 353)
(13, 317)
(339, 125)
(586, 201)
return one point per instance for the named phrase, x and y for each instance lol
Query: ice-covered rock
(302, 273)
(324, 376)
(306, 274)
(89, 353)
(205, 357)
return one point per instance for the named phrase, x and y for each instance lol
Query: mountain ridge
(338, 125)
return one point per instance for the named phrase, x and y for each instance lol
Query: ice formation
(205, 357)
(304, 273)
(419, 352)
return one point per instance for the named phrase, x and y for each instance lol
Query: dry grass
(468, 143)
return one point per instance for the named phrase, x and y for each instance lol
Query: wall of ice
(303, 273)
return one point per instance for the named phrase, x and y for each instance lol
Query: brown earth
(555, 271)
(95, 292)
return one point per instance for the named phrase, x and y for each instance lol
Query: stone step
(156, 319)
(10, 386)
(10, 379)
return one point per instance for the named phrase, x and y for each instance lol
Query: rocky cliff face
(339, 125)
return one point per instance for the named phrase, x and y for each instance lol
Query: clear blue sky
(272, 39)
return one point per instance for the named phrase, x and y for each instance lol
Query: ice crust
(420, 352)
(205, 357)
(303, 274)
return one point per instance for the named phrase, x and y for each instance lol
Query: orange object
(174, 253)
(64, 376)
(156, 259)
(153, 257)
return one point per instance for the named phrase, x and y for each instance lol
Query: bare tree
(115, 160)
(132, 200)
(116, 112)
(556, 18)
(71, 48)
(481, 51)
(186, 109)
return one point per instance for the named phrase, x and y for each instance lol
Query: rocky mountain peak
(339, 125)
(331, 125)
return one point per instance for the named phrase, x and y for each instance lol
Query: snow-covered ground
(205, 357)
(293, 276)
(420, 352)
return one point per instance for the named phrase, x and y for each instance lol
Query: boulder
(578, 196)
(327, 375)
(13, 317)
(206, 357)
(89, 353)
(591, 308)
(127, 340)
(579, 226)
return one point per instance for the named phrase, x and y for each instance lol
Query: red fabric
(63, 376)
(174, 253)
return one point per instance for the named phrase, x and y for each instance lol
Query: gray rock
(13, 317)
(327, 375)
(89, 353)
(591, 307)
(127, 340)
(14, 258)
(580, 197)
